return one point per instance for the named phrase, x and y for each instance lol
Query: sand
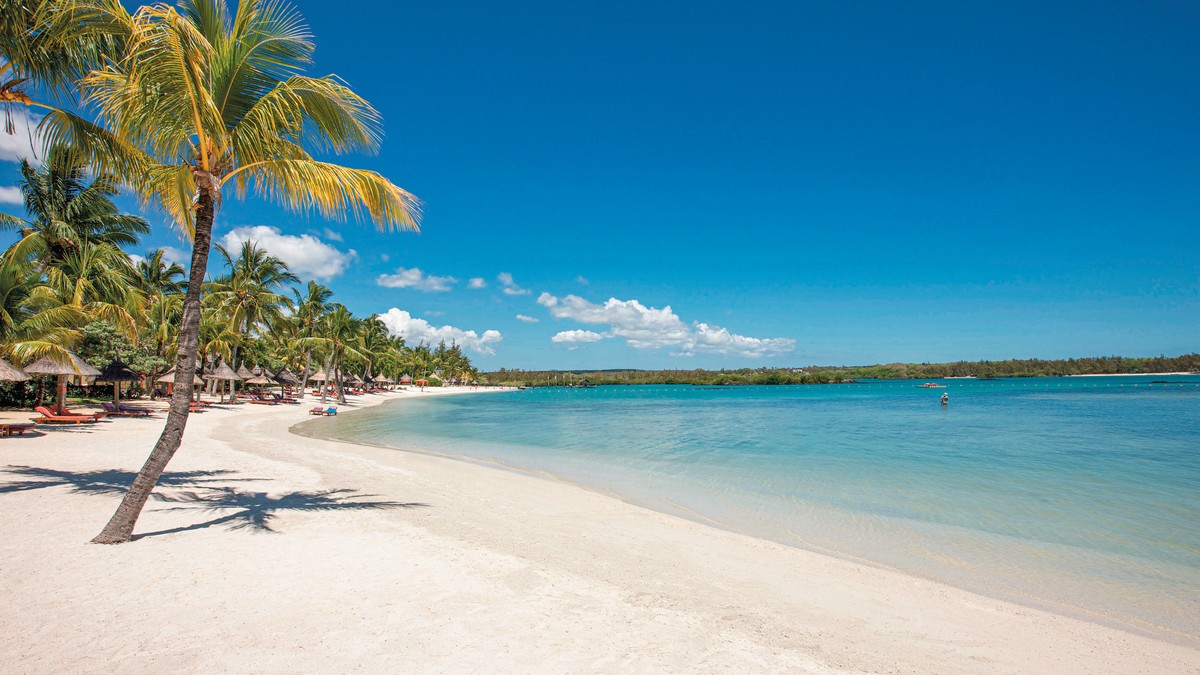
(274, 552)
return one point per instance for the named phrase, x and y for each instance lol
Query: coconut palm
(248, 293)
(157, 277)
(66, 213)
(309, 309)
(372, 341)
(49, 45)
(338, 333)
(200, 104)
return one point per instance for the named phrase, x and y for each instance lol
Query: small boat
(930, 385)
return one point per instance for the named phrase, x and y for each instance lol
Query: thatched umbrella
(169, 378)
(77, 368)
(285, 378)
(319, 376)
(406, 379)
(244, 372)
(223, 372)
(259, 381)
(11, 373)
(116, 373)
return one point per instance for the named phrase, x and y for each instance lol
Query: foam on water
(1078, 494)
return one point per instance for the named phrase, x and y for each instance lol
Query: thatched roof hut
(169, 378)
(11, 373)
(47, 366)
(223, 372)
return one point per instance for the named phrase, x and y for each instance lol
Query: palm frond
(333, 191)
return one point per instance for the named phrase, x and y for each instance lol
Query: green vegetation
(1103, 365)
(186, 106)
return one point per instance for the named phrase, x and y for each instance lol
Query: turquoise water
(1077, 494)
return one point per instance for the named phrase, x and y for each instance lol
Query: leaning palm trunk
(120, 527)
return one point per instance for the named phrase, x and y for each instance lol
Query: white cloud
(11, 195)
(135, 258)
(510, 286)
(331, 235)
(416, 331)
(25, 142)
(581, 279)
(476, 282)
(416, 279)
(645, 327)
(384, 257)
(434, 312)
(526, 319)
(305, 255)
(174, 255)
(576, 336)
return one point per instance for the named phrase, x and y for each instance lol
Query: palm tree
(338, 334)
(200, 104)
(158, 278)
(248, 293)
(67, 213)
(309, 309)
(49, 45)
(69, 246)
(372, 340)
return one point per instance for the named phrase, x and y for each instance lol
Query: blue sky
(800, 183)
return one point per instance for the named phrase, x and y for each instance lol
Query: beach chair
(133, 410)
(122, 411)
(50, 417)
(318, 410)
(8, 429)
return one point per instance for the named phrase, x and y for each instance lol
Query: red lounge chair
(49, 417)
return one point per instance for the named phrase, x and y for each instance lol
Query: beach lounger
(122, 411)
(8, 429)
(49, 417)
(133, 409)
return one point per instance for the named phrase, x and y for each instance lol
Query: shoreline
(1023, 598)
(469, 567)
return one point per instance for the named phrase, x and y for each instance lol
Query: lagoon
(1081, 495)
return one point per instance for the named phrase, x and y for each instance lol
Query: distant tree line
(1100, 365)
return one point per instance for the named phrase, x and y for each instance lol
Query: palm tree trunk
(120, 527)
(341, 388)
(307, 363)
(325, 383)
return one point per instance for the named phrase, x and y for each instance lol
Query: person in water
(945, 399)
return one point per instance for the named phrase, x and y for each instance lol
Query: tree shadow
(107, 481)
(256, 510)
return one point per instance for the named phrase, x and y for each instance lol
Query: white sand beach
(274, 552)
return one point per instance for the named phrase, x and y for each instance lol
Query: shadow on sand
(255, 510)
(234, 508)
(108, 481)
